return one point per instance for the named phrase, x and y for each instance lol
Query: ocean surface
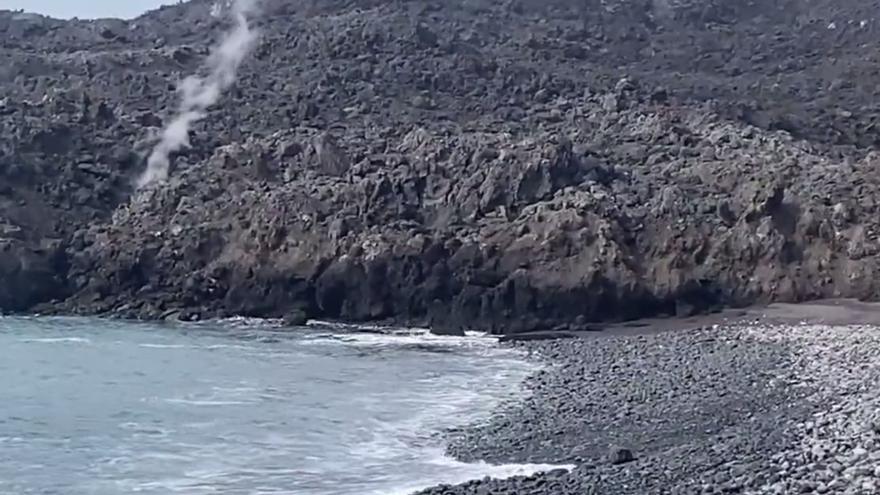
(239, 407)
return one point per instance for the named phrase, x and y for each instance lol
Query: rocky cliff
(508, 166)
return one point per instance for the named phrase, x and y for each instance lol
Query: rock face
(509, 166)
(29, 274)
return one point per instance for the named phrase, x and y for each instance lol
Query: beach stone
(619, 455)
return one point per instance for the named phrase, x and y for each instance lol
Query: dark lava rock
(448, 331)
(505, 166)
(296, 318)
(29, 273)
(619, 455)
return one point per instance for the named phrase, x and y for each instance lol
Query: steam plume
(198, 94)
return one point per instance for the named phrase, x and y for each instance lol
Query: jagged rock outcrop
(507, 166)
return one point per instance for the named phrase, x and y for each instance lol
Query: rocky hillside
(509, 166)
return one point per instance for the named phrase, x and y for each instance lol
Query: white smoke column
(198, 94)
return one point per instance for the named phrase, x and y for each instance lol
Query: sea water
(104, 407)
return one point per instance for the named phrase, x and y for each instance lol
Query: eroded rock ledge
(452, 165)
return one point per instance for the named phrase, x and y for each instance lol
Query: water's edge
(442, 384)
(480, 469)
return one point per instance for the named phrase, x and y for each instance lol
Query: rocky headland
(506, 166)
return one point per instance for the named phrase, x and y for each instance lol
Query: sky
(85, 9)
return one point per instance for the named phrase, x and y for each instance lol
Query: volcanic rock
(504, 166)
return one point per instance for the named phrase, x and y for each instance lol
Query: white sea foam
(456, 472)
(163, 346)
(380, 336)
(245, 322)
(455, 401)
(59, 340)
(366, 327)
(197, 402)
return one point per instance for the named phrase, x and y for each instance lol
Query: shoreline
(735, 408)
(720, 405)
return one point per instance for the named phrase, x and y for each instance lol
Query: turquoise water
(104, 407)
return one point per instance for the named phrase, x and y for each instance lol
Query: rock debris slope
(508, 166)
